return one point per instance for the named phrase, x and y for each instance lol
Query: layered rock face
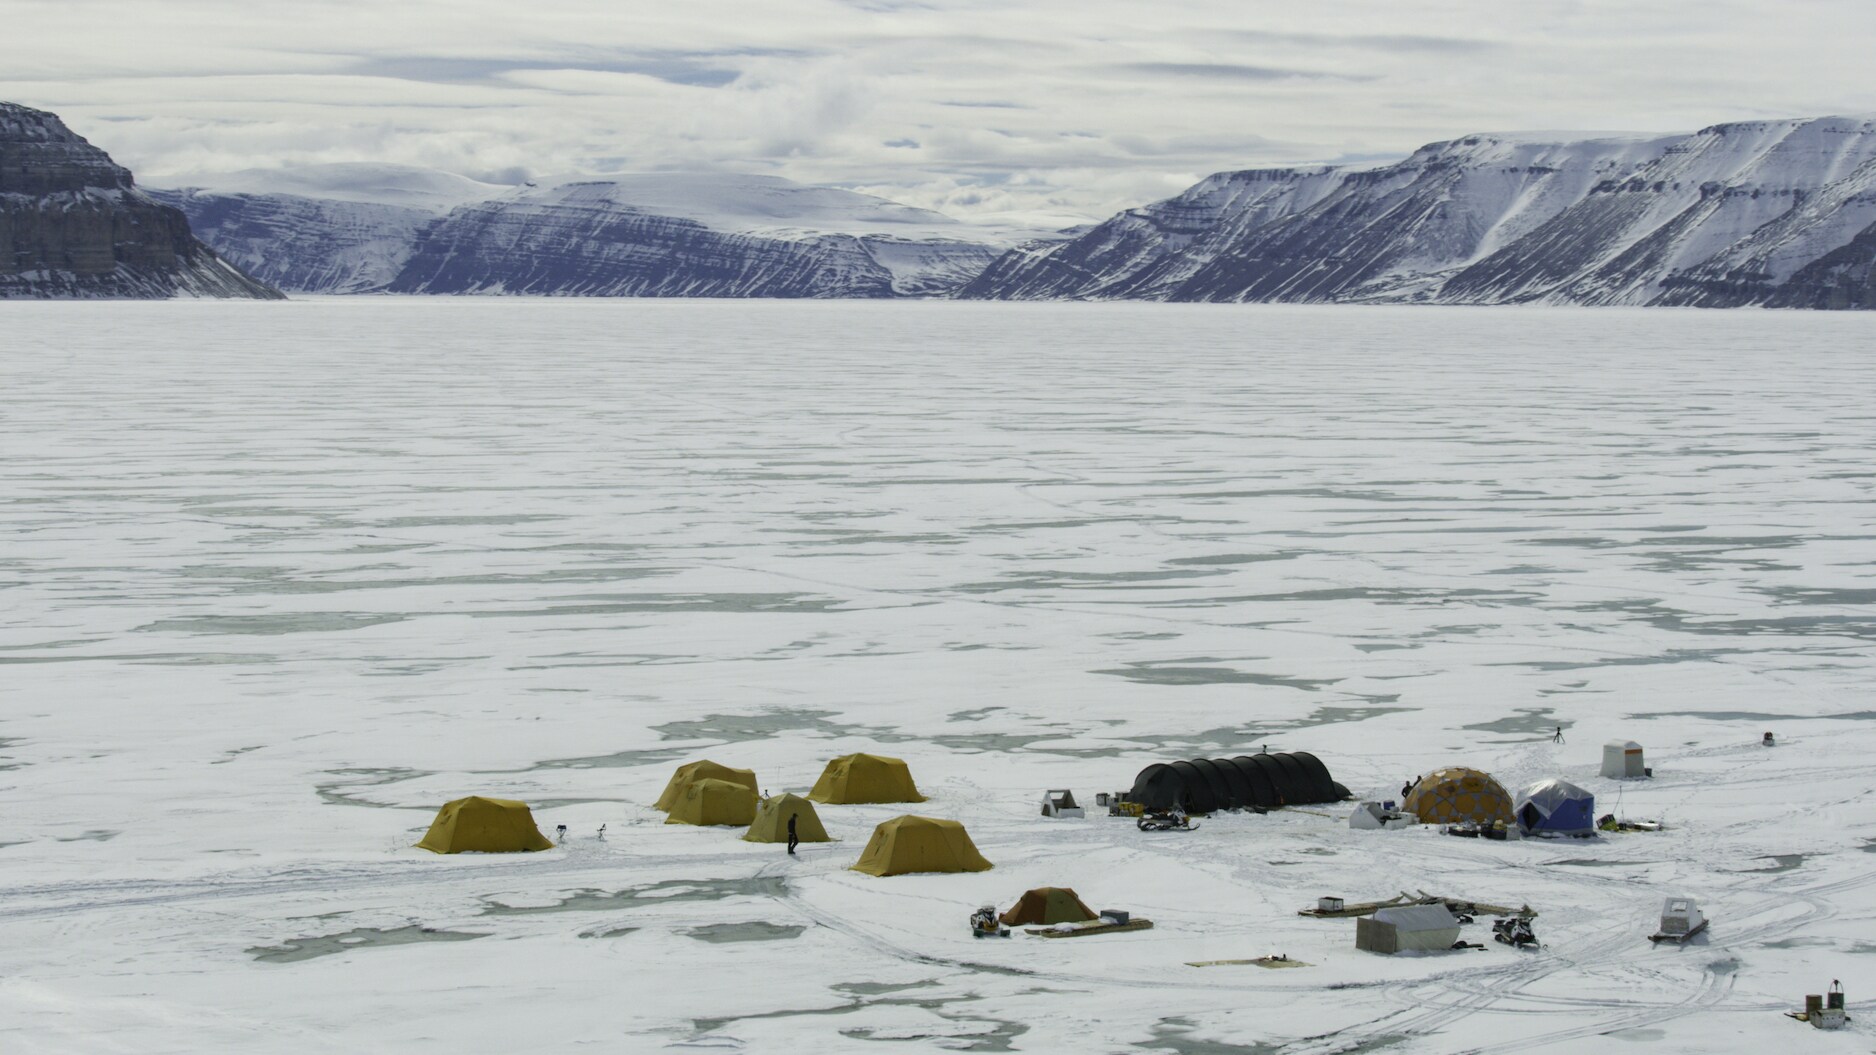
(356, 229)
(585, 244)
(303, 244)
(1775, 213)
(73, 224)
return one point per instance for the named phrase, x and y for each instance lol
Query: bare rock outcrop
(74, 224)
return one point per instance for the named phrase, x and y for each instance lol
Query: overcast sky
(1050, 109)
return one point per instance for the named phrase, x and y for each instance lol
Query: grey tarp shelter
(1407, 928)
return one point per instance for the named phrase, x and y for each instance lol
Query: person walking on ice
(792, 840)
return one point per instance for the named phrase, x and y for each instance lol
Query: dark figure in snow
(792, 841)
(1558, 736)
(1407, 789)
(560, 833)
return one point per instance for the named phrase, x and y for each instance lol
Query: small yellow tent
(482, 825)
(771, 823)
(705, 770)
(920, 844)
(714, 802)
(1049, 904)
(1458, 796)
(865, 778)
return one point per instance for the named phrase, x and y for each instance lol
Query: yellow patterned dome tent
(1458, 796)
(705, 770)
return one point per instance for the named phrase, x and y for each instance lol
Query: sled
(1099, 926)
(1679, 939)
(1272, 962)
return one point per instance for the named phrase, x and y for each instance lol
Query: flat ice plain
(278, 579)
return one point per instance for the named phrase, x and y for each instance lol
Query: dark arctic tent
(1204, 785)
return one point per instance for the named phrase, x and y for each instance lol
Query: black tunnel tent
(1204, 785)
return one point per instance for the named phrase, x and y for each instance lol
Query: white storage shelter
(1680, 917)
(1408, 928)
(1622, 759)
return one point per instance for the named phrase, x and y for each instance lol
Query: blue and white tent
(1556, 806)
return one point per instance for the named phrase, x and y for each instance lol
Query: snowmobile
(1515, 932)
(1174, 820)
(985, 924)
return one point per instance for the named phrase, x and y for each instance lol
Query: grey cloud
(706, 69)
(1098, 103)
(1224, 71)
(1386, 42)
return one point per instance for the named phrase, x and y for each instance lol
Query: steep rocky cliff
(73, 224)
(363, 228)
(305, 245)
(1777, 213)
(587, 239)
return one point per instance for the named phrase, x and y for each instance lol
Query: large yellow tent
(713, 802)
(705, 770)
(771, 823)
(865, 778)
(920, 844)
(1049, 904)
(1457, 796)
(482, 825)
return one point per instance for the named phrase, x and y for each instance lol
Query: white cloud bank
(1050, 110)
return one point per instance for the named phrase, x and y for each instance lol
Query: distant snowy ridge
(302, 244)
(1767, 212)
(761, 205)
(357, 229)
(1776, 213)
(73, 224)
(406, 186)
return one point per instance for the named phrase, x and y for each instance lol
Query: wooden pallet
(1471, 908)
(1094, 927)
(1365, 908)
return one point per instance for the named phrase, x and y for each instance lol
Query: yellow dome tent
(714, 802)
(865, 778)
(1459, 795)
(492, 826)
(920, 844)
(1045, 905)
(705, 770)
(771, 823)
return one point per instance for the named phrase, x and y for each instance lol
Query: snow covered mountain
(74, 224)
(335, 228)
(352, 229)
(1765, 212)
(695, 235)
